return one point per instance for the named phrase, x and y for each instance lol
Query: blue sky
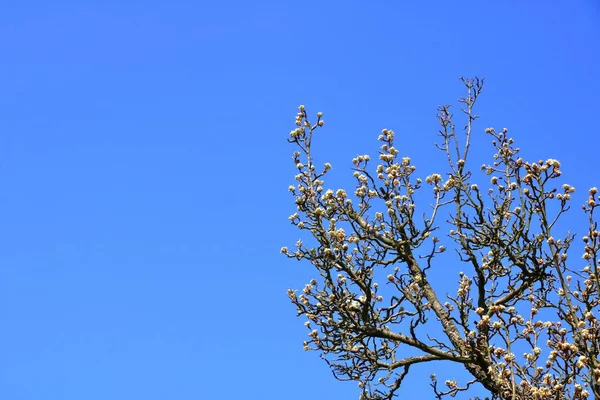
(144, 170)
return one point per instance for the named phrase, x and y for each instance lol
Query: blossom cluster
(523, 320)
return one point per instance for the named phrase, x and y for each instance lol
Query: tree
(522, 320)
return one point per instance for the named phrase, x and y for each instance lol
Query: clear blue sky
(144, 170)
